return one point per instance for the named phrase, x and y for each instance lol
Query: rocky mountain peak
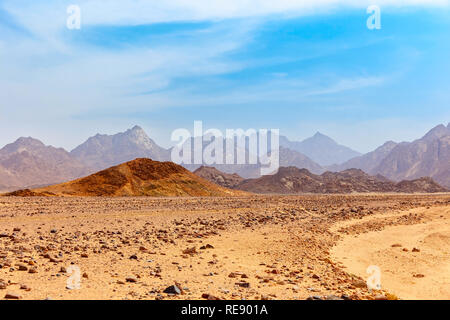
(437, 132)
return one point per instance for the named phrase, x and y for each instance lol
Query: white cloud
(348, 84)
(44, 16)
(46, 77)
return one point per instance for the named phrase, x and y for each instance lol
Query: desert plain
(243, 247)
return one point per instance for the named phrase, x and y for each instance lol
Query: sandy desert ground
(253, 247)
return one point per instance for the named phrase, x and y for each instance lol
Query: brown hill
(140, 177)
(225, 180)
(425, 184)
(292, 180)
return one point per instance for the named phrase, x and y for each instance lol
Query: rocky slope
(428, 156)
(222, 179)
(367, 162)
(425, 157)
(292, 180)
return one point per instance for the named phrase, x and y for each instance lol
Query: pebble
(172, 290)
(243, 284)
(22, 267)
(208, 296)
(32, 270)
(13, 296)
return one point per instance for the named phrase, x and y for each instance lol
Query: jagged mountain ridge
(428, 156)
(28, 162)
(103, 151)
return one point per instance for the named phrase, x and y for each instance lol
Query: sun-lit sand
(252, 247)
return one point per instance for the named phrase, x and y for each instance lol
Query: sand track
(409, 275)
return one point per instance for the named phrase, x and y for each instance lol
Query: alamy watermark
(74, 281)
(74, 17)
(374, 280)
(374, 20)
(235, 147)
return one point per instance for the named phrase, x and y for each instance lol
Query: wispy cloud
(48, 72)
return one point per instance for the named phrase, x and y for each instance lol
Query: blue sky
(300, 66)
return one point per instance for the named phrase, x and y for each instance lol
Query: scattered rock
(314, 298)
(359, 284)
(22, 267)
(243, 284)
(25, 287)
(190, 251)
(209, 297)
(13, 296)
(172, 290)
(33, 270)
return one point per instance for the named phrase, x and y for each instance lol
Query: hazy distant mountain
(291, 158)
(28, 162)
(287, 157)
(104, 151)
(367, 162)
(321, 149)
(244, 170)
(425, 157)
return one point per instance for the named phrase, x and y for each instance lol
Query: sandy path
(408, 275)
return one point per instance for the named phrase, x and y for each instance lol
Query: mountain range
(292, 180)
(29, 163)
(428, 156)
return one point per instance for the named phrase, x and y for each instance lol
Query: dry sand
(260, 247)
(405, 271)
